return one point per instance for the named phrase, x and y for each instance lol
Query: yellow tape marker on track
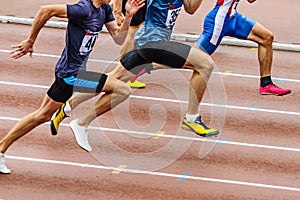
(119, 171)
(159, 132)
(226, 73)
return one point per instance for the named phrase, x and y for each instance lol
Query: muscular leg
(202, 64)
(264, 38)
(116, 92)
(78, 98)
(29, 122)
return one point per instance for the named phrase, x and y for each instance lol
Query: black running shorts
(138, 17)
(85, 82)
(169, 53)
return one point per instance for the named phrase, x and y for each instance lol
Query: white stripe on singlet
(219, 20)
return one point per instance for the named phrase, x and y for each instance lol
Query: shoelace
(2, 161)
(275, 85)
(198, 121)
(85, 135)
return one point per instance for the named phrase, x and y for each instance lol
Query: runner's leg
(202, 64)
(116, 91)
(29, 122)
(264, 38)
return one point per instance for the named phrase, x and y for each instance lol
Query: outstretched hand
(22, 49)
(132, 6)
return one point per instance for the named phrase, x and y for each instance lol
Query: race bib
(88, 42)
(173, 12)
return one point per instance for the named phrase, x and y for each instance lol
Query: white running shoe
(81, 135)
(3, 168)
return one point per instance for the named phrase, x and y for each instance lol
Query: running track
(258, 158)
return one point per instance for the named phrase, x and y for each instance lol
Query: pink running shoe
(273, 89)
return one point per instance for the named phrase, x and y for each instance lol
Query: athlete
(152, 44)
(224, 20)
(85, 20)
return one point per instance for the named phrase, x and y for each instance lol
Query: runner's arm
(43, 15)
(190, 6)
(117, 11)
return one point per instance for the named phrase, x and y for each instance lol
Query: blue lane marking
(181, 179)
(252, 109)
(283, 79)
(219, 143)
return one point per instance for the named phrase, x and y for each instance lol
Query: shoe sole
(267, 93)
(5, 172)
(8, 172)
(53, 129)
(188, 128)
(137, 87)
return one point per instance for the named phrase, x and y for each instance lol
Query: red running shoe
(273, 89)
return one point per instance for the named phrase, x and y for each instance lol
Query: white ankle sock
(191, 118)
(68, 109)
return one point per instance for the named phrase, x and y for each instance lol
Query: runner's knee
(206, 66)
(123, 90)
(268, 38)
(40, 117)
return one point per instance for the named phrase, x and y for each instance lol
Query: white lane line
(197, 139)
(177, 137)
(217, 73)
(175, 101)
(218, 105)
(23, 84)
(255, 77)
(153, 173)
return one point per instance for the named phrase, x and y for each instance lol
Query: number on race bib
(173, 13)
(88, 42)
(89, 45)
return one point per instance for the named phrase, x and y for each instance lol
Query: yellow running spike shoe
(136, 84)
(57, 117)
(199, 128)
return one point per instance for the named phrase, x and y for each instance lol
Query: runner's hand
(22, 49)
(119, 17)
(132, 6)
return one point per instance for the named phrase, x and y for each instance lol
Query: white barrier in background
(175, 36)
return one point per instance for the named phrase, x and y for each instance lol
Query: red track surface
(275, 124)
